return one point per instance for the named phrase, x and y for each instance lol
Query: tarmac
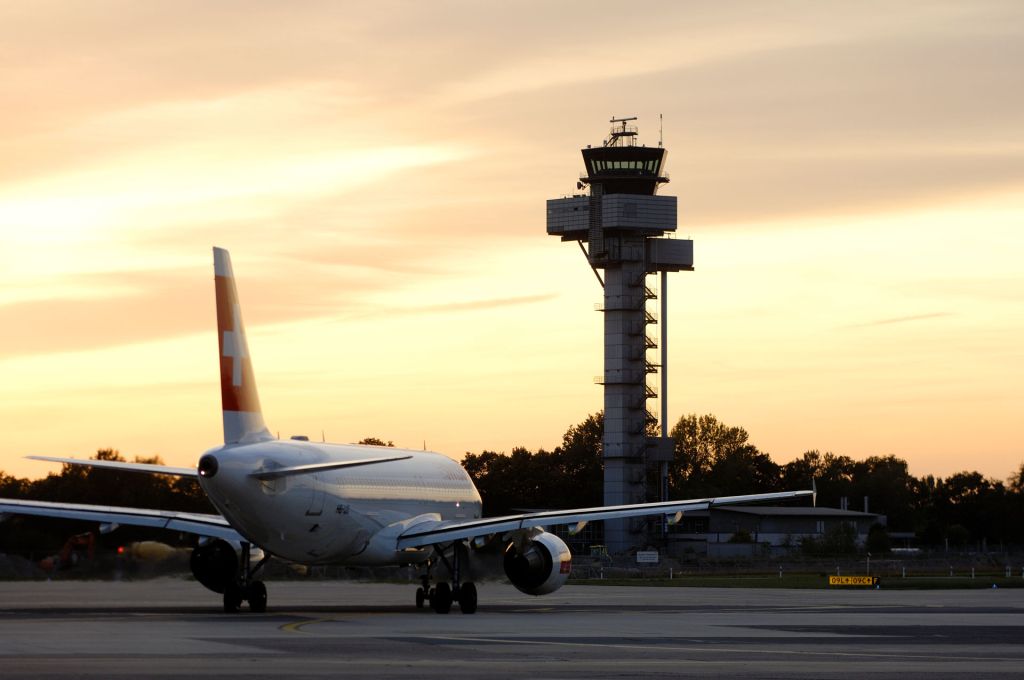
(171, 628)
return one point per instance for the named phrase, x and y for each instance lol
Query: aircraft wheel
(421, 597)
(467, 598)
(232, 598)
(442, 599)
(257, 596)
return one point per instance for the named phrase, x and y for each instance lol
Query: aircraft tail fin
(243, 419)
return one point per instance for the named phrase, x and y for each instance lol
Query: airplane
(316, 503)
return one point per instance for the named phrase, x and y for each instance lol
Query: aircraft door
(316, 499)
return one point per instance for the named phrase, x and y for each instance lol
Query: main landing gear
(442, 596)
(245, 588)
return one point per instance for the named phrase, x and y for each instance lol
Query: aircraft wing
(213, 526)
(432, 533)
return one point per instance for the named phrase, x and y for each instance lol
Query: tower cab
(619, 166)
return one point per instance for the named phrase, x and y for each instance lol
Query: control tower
(620, 227)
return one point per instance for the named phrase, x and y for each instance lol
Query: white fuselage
(350, 515)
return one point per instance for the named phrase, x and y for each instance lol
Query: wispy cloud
(150, 306)
(901, 319)
(493, 303)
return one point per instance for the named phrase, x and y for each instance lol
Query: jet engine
(538, 565)
(215, 564)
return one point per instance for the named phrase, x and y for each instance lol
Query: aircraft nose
(208, 466)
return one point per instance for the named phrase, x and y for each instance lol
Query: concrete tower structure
(623, 222)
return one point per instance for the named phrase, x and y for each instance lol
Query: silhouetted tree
(568, 477)
(838, 539)
(980, 505)
(833, 475)
(878, 540)
(373, 441)
(13, 487)
(521, 480)
(1016, 481)
(715, 459)
(887, 483)
(580, 463)
(741, 471)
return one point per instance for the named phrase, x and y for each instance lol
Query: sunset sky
(851, 173)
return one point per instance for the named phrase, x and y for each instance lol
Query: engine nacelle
(215, 564)
(540, 565)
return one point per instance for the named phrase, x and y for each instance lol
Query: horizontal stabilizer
(277, 473)
(148, 468)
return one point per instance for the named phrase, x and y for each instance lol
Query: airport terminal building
(749, 531)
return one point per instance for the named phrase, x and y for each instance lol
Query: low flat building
(750, 531)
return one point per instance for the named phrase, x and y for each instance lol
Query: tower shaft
(625, 386)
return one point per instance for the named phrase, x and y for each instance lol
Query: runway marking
(297, 626)
(539, 609)
(716, 649)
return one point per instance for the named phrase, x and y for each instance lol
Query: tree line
(711, 458)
